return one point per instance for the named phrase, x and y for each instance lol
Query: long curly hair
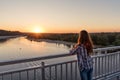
(85, 39)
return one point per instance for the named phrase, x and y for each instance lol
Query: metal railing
(106, 67)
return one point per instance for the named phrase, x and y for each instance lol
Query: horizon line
(58, 32)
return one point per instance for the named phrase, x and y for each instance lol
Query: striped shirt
(85, 61)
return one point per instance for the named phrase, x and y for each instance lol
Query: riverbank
(70, 44)
(53, 41)
(8, 37)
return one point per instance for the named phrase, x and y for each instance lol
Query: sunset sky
(60, 16)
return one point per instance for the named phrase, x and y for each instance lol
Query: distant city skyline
(60, 16)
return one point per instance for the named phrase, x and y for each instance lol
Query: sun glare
(37, 30)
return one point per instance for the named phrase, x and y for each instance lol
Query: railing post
(99, 52)
(106, 52)
(43, 70)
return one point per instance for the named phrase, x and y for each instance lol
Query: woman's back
(85, 61)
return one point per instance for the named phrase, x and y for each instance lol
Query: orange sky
(63, 16)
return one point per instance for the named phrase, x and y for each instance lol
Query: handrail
(107, 48)
(33, 59)
(50, 57)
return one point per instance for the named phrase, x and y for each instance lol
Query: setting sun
(37, 30)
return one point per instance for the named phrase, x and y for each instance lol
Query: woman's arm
(74, 50)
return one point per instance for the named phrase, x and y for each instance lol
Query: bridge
(63, 67)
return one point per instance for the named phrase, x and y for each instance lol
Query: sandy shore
(60, 42)
(53, 41)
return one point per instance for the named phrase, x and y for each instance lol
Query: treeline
(9, 33)
(70, 37)
(106, 39)
(101, 39)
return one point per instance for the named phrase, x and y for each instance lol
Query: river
(21, 48)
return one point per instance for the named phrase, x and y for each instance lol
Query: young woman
(84, 50)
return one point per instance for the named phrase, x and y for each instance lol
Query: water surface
(21, 48)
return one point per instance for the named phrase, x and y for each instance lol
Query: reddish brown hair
(85, 39)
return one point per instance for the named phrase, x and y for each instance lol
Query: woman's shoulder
(78, 46)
